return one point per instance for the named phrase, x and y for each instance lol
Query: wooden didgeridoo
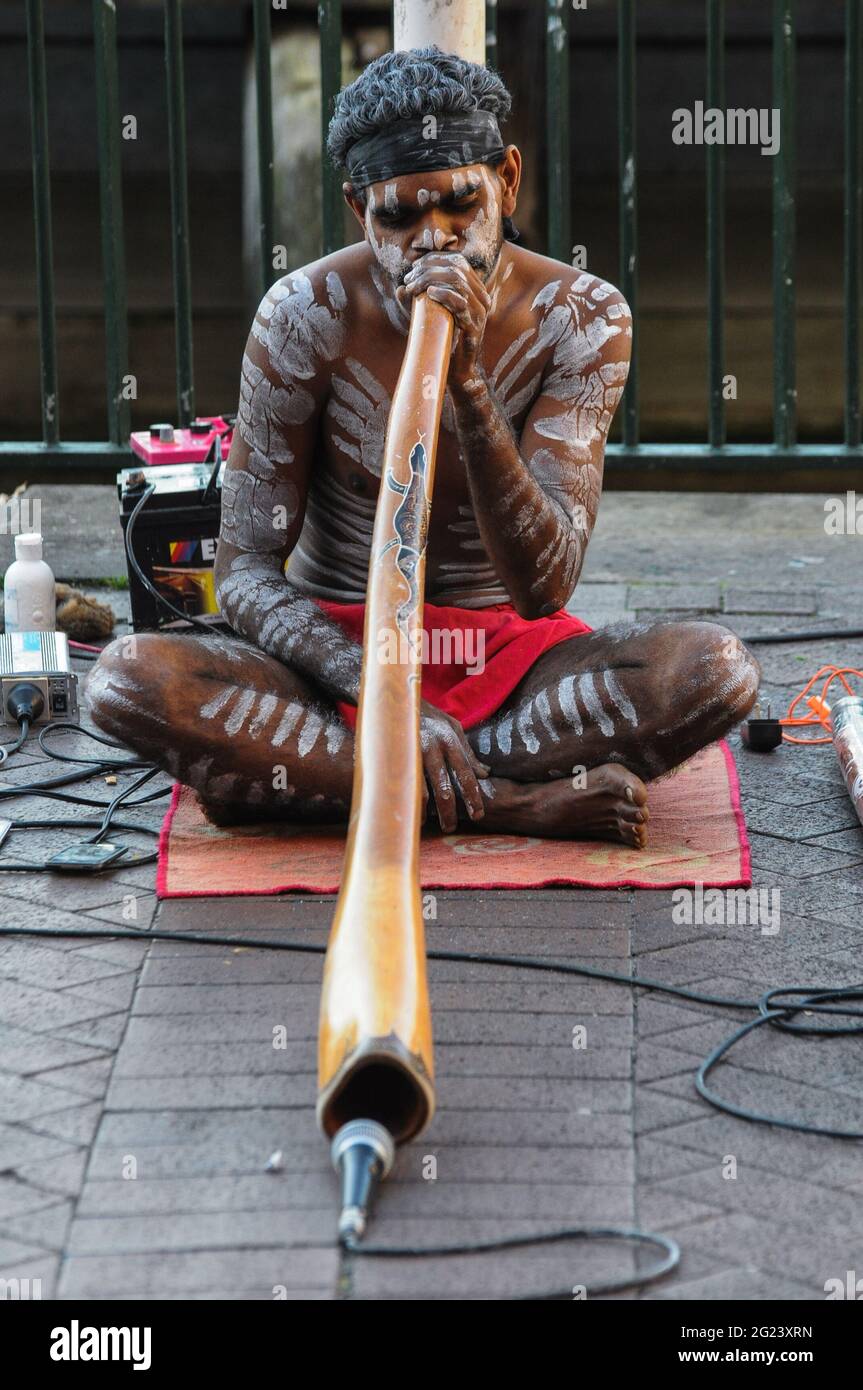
(375, 1068)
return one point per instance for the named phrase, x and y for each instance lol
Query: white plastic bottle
(29, 603)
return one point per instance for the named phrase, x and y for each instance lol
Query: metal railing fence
(776, 460)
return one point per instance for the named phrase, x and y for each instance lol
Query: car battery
(173, 540)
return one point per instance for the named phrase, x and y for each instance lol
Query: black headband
(423, 143)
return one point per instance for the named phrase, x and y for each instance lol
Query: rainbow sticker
(182, 552)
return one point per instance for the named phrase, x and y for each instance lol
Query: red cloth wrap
(512, 646)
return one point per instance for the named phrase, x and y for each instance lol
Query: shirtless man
(259, 723)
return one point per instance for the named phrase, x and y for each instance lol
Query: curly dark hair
(414, 82)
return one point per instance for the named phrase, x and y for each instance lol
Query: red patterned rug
(697, 835)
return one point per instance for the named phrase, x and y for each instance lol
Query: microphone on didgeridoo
(375, 1066)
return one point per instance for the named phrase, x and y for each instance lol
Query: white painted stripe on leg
(587, 691)
(309, 733)
(568, 703)
(543, 709)
(620, 699)
(218, 702)
(525, 729)
(287, 723)
(503, 734)
(266, 707)
(237, 718)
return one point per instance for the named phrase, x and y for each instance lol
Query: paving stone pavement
(141, 1095)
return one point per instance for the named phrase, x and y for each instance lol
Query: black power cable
(90, 767)
(24, 703)
(7, 749)
(833, 634)
(779, 1016)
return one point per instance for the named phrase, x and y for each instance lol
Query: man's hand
(451, 768)
(448, 278)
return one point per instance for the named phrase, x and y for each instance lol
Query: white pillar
(456, 26)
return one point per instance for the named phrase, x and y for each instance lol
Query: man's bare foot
(612, 806)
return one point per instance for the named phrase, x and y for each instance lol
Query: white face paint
(483, 236)
(434, 239)
(388, 253)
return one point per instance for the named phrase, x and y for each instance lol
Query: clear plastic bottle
(29, 603)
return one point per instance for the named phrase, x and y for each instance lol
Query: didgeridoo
(375, 1067)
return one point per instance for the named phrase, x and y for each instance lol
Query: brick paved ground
(157, 1057)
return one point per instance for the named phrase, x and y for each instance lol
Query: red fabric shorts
(498, 647)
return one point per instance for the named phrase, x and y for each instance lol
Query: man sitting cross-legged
(261, 723)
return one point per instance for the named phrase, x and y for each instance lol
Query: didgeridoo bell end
(379, 1079)
(362, 1154)
(379, 1097)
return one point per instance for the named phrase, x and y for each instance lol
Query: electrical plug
(761, 733)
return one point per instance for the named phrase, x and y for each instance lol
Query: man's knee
(124, 683)
(724, 670)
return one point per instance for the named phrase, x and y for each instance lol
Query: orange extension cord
(819, 710)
